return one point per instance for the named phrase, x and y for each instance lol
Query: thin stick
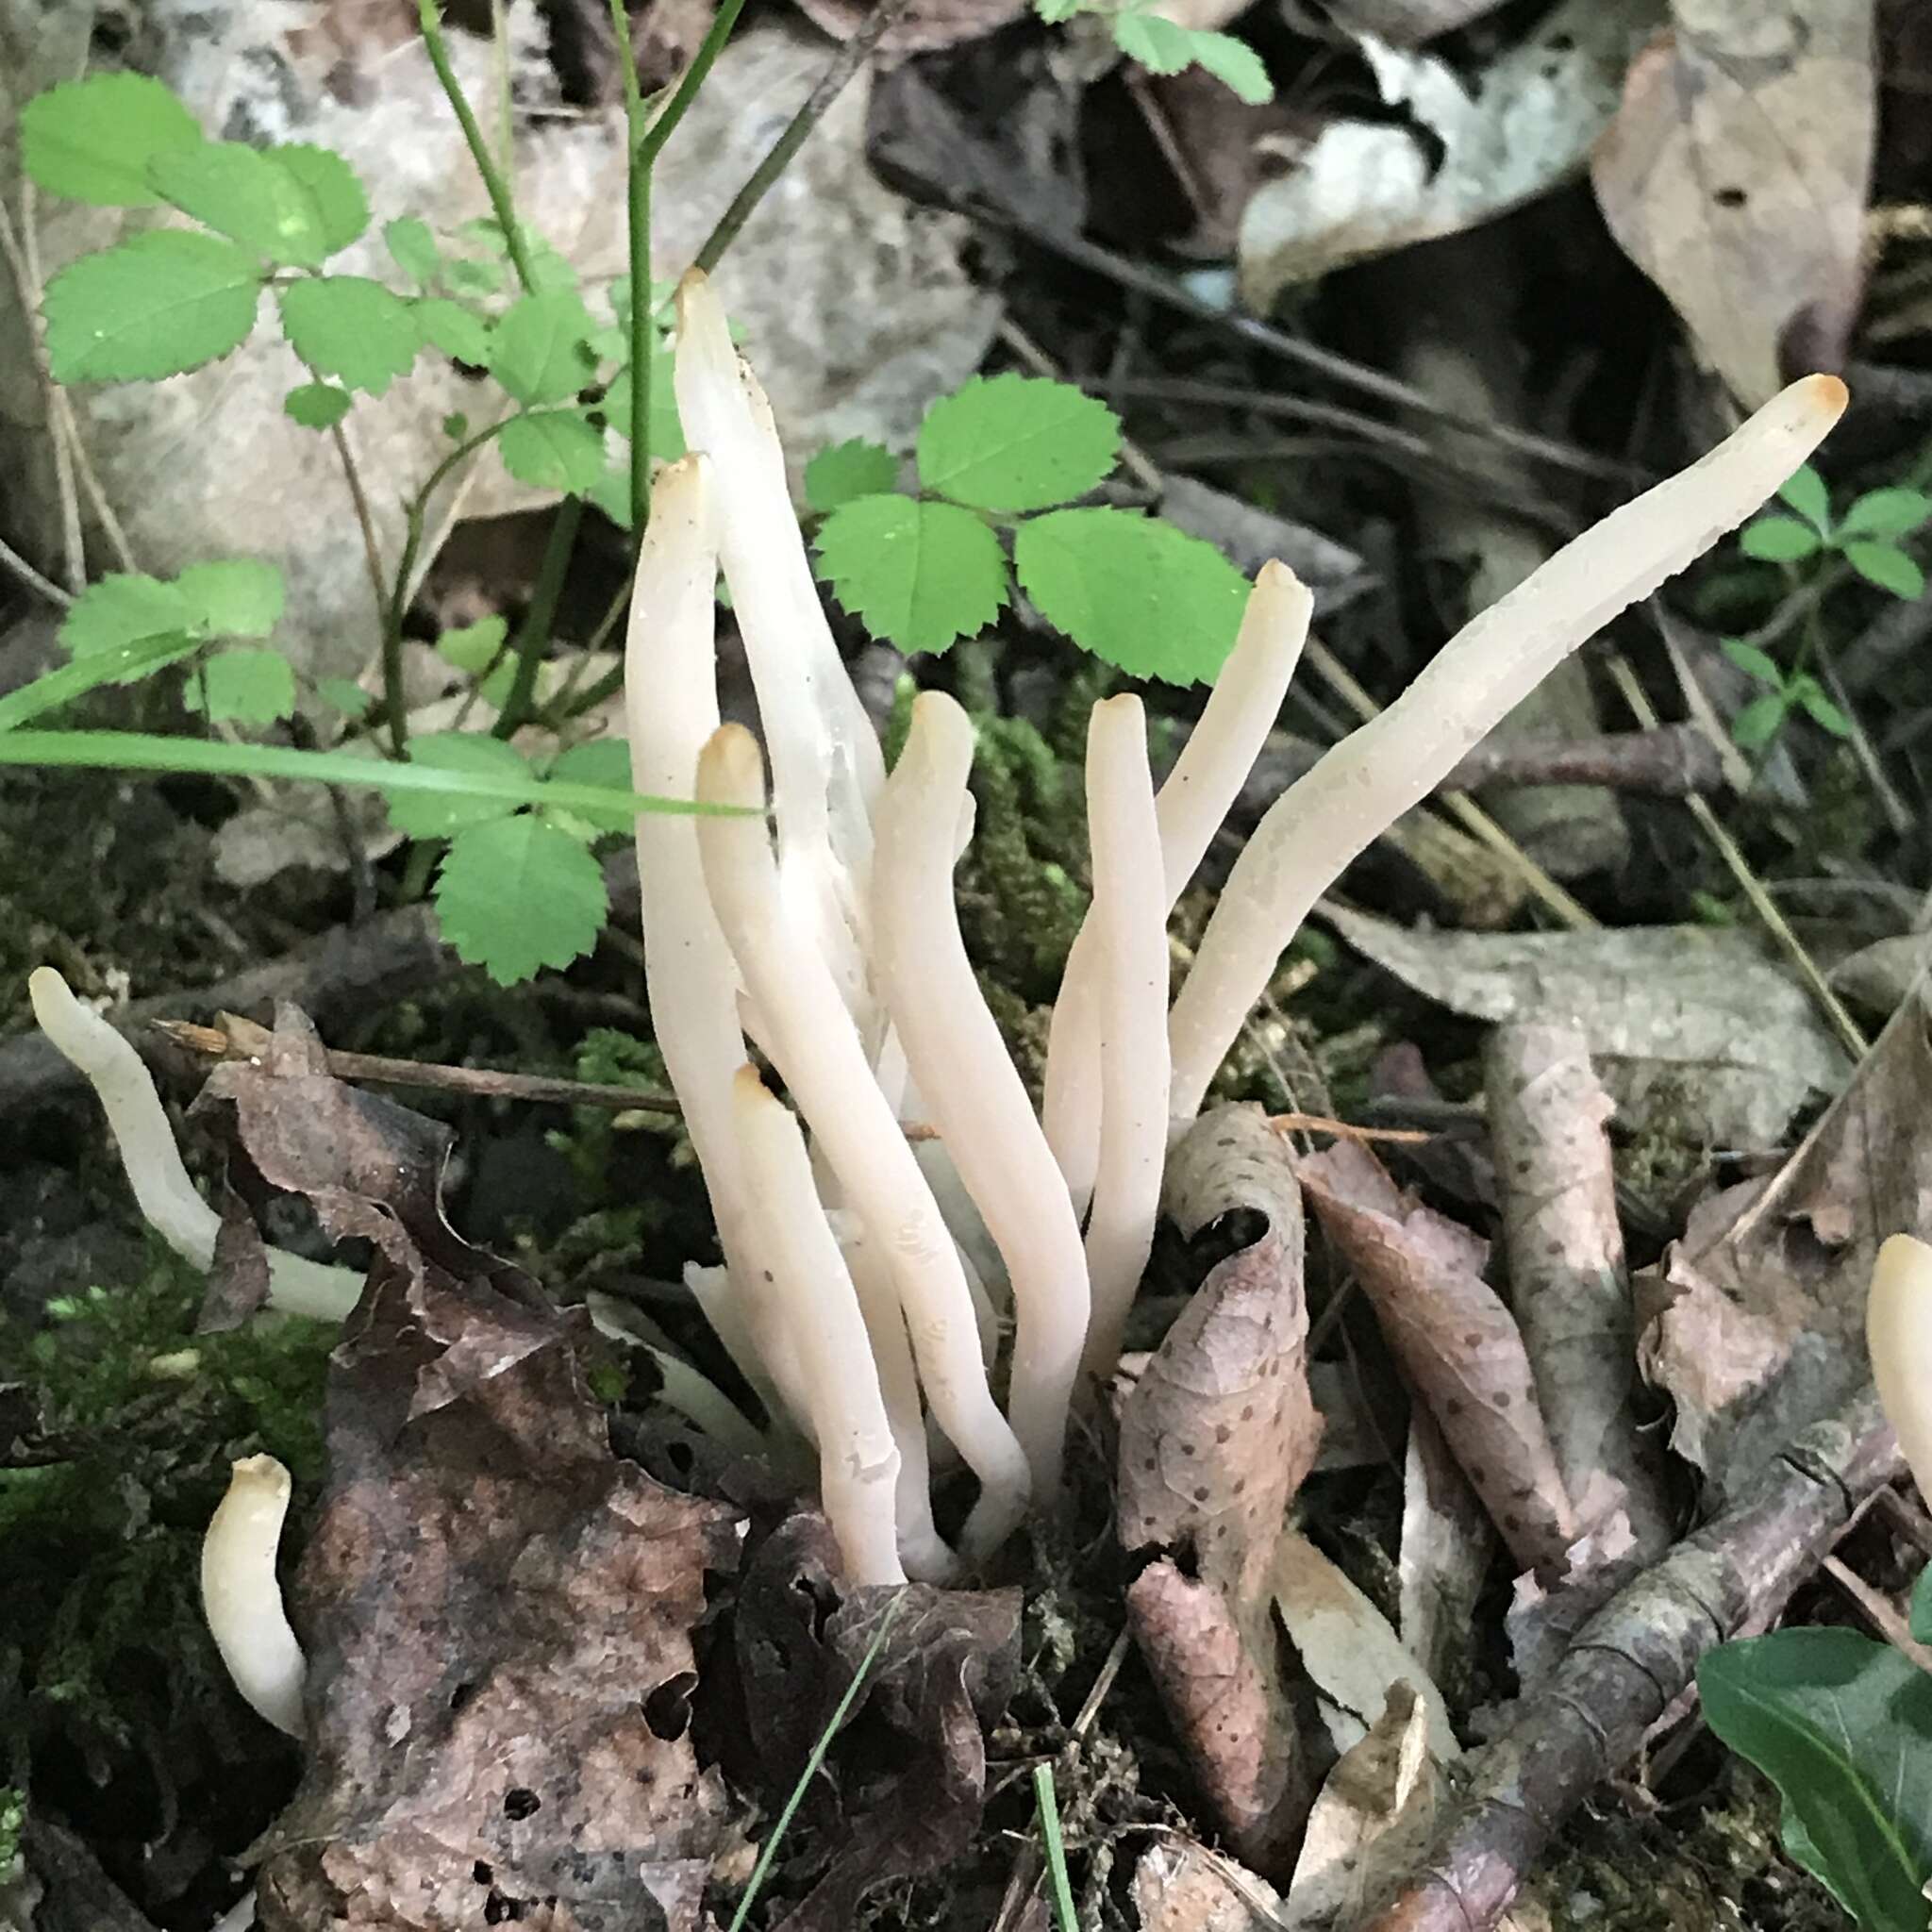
(12, 561)
(372, 550)
(24, 267)
(830, 84)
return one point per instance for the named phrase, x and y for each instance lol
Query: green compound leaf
(352, 329)
(93, 139)
(596, 761)
(346, 695)
(923, 575)
(336, 201)
(666, 430)
(1806, 492)
(1134, 591)
(1888, 513)
(1819, 709)
(244, 193)
(235, 597)
(412, 247)
(152, 306)
(460, 333)
(1757, 723)
(1840, 1725)
(1889, 567)
(317, 405)
(1016, 443)
(519, 895)
(542, 349)
(437, 815)
(1779, 539)
(254, 686)
(478, 649)
(553, 449)
(1236, 65)
(847, 471)
(1161, 47)
(1753, 662)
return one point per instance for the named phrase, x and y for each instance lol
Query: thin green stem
(539, 618)
(1047, 1802)
(638, 215)
(660, 130)
(493, 183)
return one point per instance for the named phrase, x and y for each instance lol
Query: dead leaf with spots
(1736, 176)
(1216, 1437)
(1455, 1341)
(1447, 1542)
(497, 1614)
(1183, 1887)
(906, 1790)
(1757, 1315)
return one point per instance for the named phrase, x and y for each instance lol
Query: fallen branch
(1631, 1661)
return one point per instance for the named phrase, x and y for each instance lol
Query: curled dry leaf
(1456, 1343)
(911, 1800)
(1693, 1030)
(497, 1614)
(1215, 1439)
(1736, 176)
(1758, 1321)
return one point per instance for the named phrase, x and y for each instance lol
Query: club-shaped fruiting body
(241, 1598)
(1898, 1328)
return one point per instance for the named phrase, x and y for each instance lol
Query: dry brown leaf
(1215, 1439)
(1183, 1887)
(1696, 1026)
(1736, 176)
(1456, 1341)
(1447, 1542)
(924, 27)
(1759, 1323)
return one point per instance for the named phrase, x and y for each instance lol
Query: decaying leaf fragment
(1736, 176)
(1757, 1323)
(1456, 1343)
(1215, 1440)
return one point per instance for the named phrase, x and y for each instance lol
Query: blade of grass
(769, 1851)
(1047, 1801)
(140, 751)
(121, 662)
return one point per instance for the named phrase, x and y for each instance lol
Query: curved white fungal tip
(242, 1600)
(1898, 1327)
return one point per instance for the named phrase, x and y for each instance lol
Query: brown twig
(1630, 1662)
(23, 264)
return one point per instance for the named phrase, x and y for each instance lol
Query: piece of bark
(1628, 1665)
(1455, 1341)
(1216, 1437)
(1568, 1285)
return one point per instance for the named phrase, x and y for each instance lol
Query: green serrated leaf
(411, 246)
(1134, 591)
(611, 492)
(239, 192)
(553, 449)
(1753, 662)
(1840, 1725)
(478, 649)
(437, 815)
(1888, 513)
(1016, 443)
(234, 597)
(346, 695)
(352, 329)
(1153, 41)
(541, 353)
(317, 405)
(122, 609)
(1055, 11)
(1889, 567)
(93, 139)
(1236, 65)
(666, 430)
(1804, 492)
(247, 687)
(467, 276)
(328, 184)
(923, 575)
(1758, 723)
(847, 471)
(519, 895)
(155, 306)
(1779, 539)
(596, 761)
(460, 333)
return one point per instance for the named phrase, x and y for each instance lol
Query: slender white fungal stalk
(970, 1087)
(924, 1553)
(827, 766)
(816, 1047)
(858, 1460)
(684, 1390)
(1898, 1327)
(161, 1186)
(241, 1598)
(1365, 783)
(1130, 916)
(1193, 804)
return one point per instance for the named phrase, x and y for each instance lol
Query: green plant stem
(1046, 1799)
(494, 184)
(830, 84)
(769, 1850)
(638, 190)
(651, 143)
(533, 634)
